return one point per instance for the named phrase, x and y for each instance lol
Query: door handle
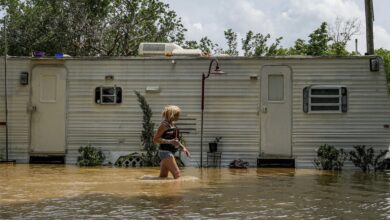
(264, 109)
(31, 108)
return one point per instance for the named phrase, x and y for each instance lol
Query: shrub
(330, 158)
(380, 163)
(151, 158)
(90, 156)
(365, 158)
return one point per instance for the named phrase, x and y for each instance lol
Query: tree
(343, 30)
(318, 42)
(89, 27)
(299, 48)
(256, 45)
(246, 47)
(231, 38)
(385, 54)
(273, 50)
(205, 45)
(341, 33)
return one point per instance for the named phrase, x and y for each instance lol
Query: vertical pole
(356, 46)
(201, 122)
(5, 87)
(369, 26)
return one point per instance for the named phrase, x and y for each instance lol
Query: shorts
(164, 154)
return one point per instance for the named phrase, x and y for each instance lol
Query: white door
(48, 110)
(275, 108)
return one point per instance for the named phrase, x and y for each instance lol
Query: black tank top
(169, 134)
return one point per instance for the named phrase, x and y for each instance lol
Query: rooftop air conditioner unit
(157, 48)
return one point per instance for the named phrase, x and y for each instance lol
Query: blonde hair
(171, 113)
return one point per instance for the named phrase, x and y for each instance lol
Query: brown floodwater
(71, 192)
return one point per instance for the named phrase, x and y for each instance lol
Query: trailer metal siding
(231, 105)
(368, 108)
(18, 119)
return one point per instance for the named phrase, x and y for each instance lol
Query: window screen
(325, 99)
(108, 95)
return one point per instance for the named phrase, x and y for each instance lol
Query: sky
(290, 19)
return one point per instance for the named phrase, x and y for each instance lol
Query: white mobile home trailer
(267, 107)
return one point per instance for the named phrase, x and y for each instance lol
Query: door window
(275, 88)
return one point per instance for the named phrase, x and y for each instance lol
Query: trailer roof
(190, 58)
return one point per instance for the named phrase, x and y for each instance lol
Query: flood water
(70, 192)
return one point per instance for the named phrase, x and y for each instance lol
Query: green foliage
(318, 42)
(338, 49)
(299, 48)
(385, 54)
(330, 158)
(151, 158)
(257, 45)
(205, 45)
(231, 38)
(90, 156)
(88, 28)
(365, 158)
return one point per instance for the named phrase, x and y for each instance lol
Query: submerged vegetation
(365, 158)
(90, 156)
(330, 158)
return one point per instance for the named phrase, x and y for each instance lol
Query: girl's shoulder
(165, 123)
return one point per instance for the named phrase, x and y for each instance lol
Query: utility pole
(369, 26)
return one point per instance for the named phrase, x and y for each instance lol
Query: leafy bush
(365, 158)
(90, 156)
(362, 157)
(330, 158)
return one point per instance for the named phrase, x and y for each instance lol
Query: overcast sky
(290, 19)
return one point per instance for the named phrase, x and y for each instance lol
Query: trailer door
(275, 108)
(48, 110)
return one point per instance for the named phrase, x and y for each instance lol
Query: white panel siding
(368, 108)
(230, 105)
(18, 118)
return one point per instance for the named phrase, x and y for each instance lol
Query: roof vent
(167, 49)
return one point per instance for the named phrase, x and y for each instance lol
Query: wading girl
(167, 136)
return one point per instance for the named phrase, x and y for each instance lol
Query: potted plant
(213, 146)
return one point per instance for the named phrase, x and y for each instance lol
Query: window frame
(342, 99)
(117, 95)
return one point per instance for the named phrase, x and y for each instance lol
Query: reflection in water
(55, 191)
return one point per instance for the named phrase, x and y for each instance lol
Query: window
(108, 95)
(275, 88)
(324, 99)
